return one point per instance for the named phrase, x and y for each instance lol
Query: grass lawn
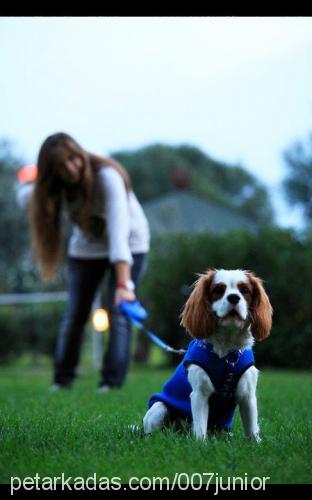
(79, 432)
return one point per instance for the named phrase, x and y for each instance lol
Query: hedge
(29, 328)
(282, 258)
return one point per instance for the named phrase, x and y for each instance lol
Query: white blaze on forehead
(231, 277)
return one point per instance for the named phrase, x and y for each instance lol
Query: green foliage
(80, 433)
(17, 270)
(298, 184)
(151, 170)
(29, 328)
(280, 257)
(13, 223)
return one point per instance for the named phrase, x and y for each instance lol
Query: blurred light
(28, 173)
(100, 320)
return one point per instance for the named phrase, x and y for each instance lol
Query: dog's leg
(202, 389)
(155, 417)
(247, 400)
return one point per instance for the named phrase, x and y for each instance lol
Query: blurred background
(212, 118)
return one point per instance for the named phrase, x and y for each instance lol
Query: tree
(298, 183)
(17, 270)
(13, 224)
(151, 170)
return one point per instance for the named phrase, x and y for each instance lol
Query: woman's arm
(118, 229)
(125, 287)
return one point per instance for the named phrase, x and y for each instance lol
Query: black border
(157, 9)
(302, 491)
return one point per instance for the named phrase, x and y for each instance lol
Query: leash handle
(133, 310)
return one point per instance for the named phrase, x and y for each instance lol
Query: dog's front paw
(155, 417)
(199, 435)
(256, 438)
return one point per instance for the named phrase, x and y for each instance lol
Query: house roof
(184, 212)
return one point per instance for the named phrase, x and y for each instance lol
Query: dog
(226, 312)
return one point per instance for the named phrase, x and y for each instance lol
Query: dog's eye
(218, 290)
(244, 290)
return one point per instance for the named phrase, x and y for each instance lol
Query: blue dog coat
(224, 374)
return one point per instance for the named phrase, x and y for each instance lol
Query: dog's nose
(233, 298)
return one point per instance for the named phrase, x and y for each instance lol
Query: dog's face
(230, 295)
(227, 297)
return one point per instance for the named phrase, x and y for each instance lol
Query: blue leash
(136, 314)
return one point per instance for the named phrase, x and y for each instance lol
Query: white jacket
(121, 227)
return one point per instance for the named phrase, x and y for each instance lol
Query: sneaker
(58, 387)
(55, 387)
(103, 389)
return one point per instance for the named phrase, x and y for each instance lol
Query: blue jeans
(84, 277)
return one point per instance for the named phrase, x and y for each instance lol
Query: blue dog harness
(224, 373)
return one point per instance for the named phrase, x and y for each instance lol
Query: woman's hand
(122, 294)
(125, 287)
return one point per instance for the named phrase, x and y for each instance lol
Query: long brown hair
(50, 192)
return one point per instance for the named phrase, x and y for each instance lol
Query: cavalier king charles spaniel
(226, 311)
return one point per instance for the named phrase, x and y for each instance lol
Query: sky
(239, 88)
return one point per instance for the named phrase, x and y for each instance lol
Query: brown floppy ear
(197, 315)
(260, 309)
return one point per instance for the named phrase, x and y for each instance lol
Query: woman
(110, 234)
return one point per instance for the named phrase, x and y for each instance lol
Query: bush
(31, 328)
(282, 258)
